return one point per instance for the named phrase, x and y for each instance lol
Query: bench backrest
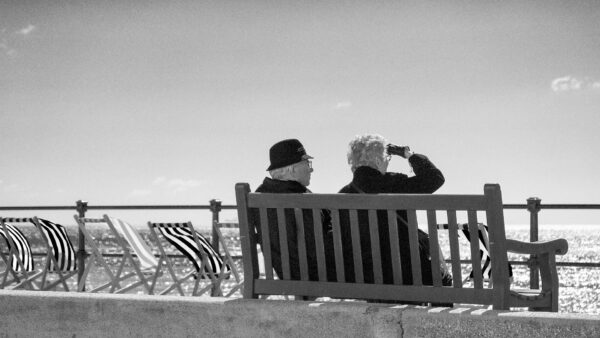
(477, 208)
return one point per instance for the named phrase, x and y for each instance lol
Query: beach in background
(579, 287)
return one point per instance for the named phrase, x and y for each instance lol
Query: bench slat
(337, 245)
(375, 291)
(415, 257)
(356, 248)
(300, 228)
(266, 243)
(475, 256)
(319, 243)
(375, 247)
(283, 244)
(454, 250)
(434, 248)
(367, 201)
(395, 246)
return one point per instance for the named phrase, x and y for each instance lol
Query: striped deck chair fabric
(207, 263)
(18, 259)
(19, 249)
(59, 261)
(144, 268)
(486, 260)
(181, 237)
(137, 243)
(62, 249)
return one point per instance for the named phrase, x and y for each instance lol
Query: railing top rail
(116, 207)
(570, 206)
(231, 207)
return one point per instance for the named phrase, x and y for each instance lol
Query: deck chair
(208, 264)
(18, 258)
(484, 254)
(135, 253)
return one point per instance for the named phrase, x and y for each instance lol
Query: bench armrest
(556, 246)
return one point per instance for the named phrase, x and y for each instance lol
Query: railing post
(215, 208)
(81, 254)
(534, 206)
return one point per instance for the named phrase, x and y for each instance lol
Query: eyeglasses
(309, 162)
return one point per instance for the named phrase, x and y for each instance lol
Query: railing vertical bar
(215, 208)
(81, 253)
(533, 206)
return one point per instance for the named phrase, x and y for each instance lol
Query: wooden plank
(337, 245)
(247, 238)
(375, 291)
(475, 256)
(495, 219)
(415, 258)
(266, 243)
(283, 243)
(454, 249)
(301, 228)
(434, 248)
(375, 247)
(356, 249)
(319, 243)
(367, 201)
(395, 246)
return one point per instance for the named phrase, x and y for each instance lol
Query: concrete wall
(60, 314)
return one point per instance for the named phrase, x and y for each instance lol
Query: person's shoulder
(395, 176)
(346, 189)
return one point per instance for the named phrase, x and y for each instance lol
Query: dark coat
(427, 179)
(281, 187)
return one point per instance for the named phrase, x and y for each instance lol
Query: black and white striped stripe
(180, 236)
(62, 248)
(21, 251)
(486, 266)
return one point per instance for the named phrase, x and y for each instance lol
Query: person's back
(290, 172)
(368, 161)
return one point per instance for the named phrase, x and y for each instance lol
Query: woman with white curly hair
(368, 157)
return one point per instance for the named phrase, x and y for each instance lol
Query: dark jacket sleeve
(428, 178)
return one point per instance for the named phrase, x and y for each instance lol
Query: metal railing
(533, 206)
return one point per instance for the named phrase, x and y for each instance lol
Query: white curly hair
(366, 150)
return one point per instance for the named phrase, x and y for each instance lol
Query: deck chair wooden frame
(19, 262)
(228, 259)
(135, 251)
(192, 245)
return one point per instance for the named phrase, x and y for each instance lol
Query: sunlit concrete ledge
(61, 314)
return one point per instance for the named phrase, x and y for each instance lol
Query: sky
(156, 102)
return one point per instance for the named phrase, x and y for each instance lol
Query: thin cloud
(343, 105)
(4, 47)
(159, 180)
(27, 30)
(168, 185)
(571, 83)
(140, 192)
(179, 185)
(11, 188)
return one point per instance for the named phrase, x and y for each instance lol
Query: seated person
(368, 157)
(290, 172)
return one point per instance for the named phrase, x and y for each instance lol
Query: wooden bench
(486, 207)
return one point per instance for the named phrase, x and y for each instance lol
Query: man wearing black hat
(290, 171)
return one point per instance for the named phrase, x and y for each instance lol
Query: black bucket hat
(286, 152)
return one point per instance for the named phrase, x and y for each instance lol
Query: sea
(579, 286)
